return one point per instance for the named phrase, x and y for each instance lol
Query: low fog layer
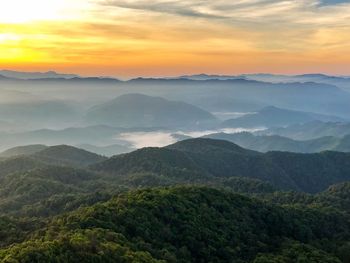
(112, 116)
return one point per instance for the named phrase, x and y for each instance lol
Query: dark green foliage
(67, 155)
(63, 214)
(182, 224)
(313, 172)
(207, 159)
(154, 160)
(51, 190)
(23, 150)
(246, 185)
(19, 164)
(297, 253)
(91, 246)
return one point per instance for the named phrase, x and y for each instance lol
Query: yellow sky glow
(137, 37)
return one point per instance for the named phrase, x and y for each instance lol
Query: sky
(130, 38)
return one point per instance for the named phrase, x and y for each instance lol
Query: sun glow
(162, 37)
(20, 11)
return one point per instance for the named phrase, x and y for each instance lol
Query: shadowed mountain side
(264, 143)
(61, 155)
(204, 158)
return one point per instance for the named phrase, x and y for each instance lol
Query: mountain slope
(273, 117)
(45, 190)
(184, 224)
(311, 130)
(23, 150)
(67, 155)
(206, 159)
(109, 150)
(266, 143)
(136, 110)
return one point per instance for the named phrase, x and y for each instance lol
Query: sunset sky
(130, 38)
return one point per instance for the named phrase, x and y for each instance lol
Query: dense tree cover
(297, 253)
(53, 189)
(14, 230)
(68, 155)
(336, 197)
(23, 150)
(206, 158)
(183, 224)
(63, 214)
(91, 246)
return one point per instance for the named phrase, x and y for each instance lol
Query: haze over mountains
(274, 117)
(52, 108)
(136, 110)
(248, 169)
(340, 81)
(35, 75)
(266, 143)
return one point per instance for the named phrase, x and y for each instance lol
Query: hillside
(67, 155)
(311, 130)
(46, 190)
(266, 143)
(23, 150)
(109, 150)
(276, 117)
(136, 110)
(188, 224)
(201, 159)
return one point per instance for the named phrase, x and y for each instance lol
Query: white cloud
(306, 12)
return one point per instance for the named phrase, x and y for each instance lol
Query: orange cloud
(134, 38)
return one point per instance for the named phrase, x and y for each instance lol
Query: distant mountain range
(214, 95)
(137, 110)
(35, 75)
(74, 136)
(340, 81)
(265, 143)
(276, 117)
(32, 113)
(310, 130)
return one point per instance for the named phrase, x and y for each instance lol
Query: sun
(24, 11)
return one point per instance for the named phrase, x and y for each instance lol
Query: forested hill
(199, 200)
(197, 159)
(186, 224)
